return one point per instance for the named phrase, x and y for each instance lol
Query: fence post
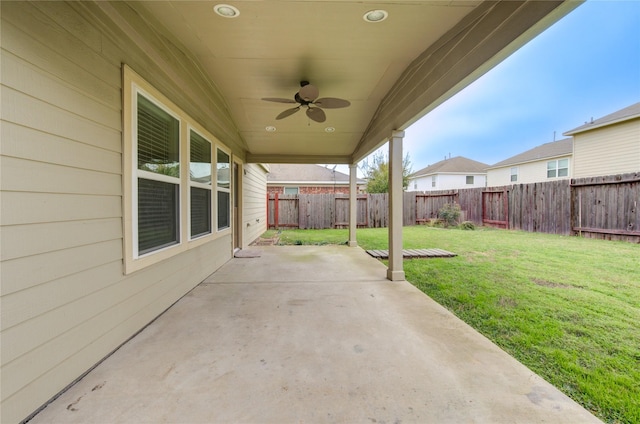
(275, 211)
(506, 208)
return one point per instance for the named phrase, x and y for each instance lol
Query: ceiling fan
(308, 96)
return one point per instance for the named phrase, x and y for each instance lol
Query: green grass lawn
(566, 307)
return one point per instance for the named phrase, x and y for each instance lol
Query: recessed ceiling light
(226, 11)
(329, 129)
(270, 128)
(377, 15)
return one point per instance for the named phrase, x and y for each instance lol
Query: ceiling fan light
(377, 15)
(226, 11)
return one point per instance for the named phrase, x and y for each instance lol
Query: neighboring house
(308, 179)
(547, 162)
(609, 145)
(453, 173)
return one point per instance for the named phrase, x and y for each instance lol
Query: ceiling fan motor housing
(300, 100)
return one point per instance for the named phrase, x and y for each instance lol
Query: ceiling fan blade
(332, 103)
(309, 92)
(288, 112)
(278, 100)
(316, 114)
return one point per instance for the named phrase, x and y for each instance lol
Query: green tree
(377, 173)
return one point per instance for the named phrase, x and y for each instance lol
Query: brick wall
(311, 189)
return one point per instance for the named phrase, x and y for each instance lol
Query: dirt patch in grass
(507, 302)
(551, 284)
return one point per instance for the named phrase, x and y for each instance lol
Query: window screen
(223, 210)
(200, 211)
(158, 139)
(224, 193)
(200, 181)
(157, 215)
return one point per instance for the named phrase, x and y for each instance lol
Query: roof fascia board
(485, 37)
(450, 173)
(604, 124)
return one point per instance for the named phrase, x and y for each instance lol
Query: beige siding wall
(609, 150)
(65, 302)
(499, 177)
(532, 172)
(254, 203)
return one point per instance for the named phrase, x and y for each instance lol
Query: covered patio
(136, 138)
(310, 334)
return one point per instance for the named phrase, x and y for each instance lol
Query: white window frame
(472, 180)
(132, 85)
(433, 181)
(556, 168)
(514, 171)
(284, 191)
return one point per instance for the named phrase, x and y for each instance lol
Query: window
(514, 174)
(433, 181)
(558, 168)
(158, 194)
(170, 197)
(469, 179)
(224, 190)
(291, 190)
(200, 184)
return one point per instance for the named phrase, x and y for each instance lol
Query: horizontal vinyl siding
(65, 302)
(254, 203)
(499, 177)
(446, 182)
(532, 172)
(608, 151)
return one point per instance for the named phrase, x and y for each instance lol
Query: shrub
(467, 225)
(449, 213)
(434, 222)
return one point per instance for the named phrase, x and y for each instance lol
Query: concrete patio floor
(310, 334)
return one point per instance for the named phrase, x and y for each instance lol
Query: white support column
(395, 271)
(353, 204)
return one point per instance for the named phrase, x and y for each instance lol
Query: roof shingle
(458, 164)
(305, 173)
(630, 112)
(548, 150)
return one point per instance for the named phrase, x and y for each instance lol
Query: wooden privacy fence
(599, 207)
(607, 207)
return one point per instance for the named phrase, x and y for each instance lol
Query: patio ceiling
(393, 71)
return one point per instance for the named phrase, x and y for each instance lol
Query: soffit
(273, 45)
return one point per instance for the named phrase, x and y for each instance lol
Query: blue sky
(586, 65)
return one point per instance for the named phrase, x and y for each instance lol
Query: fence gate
(495, 208)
